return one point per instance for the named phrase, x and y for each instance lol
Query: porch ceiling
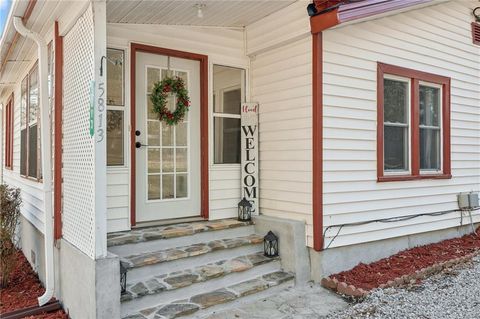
(222, 13)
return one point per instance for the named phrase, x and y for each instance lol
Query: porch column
(99, 126)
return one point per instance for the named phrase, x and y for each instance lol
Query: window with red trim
(413, 124)
(9, 133)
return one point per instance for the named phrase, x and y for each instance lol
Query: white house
(368, 129)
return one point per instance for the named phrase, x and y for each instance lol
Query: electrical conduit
(45, 140)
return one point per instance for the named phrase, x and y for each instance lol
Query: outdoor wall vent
(476, 33)
(468, 200)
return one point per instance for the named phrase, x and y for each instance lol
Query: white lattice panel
(78, 145)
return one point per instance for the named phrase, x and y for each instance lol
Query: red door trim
(317, 140)
(203, 59)
(57, 168)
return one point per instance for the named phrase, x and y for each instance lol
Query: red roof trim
(368, 8)
(359, 10)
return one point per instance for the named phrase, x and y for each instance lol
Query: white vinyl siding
(224, 47)
(437, 40)
(281, 73)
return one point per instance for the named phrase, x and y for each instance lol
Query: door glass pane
(167, 134)
(153, 133)
(151, 115)
(168, 190)
(115, 77)
(429, 106)
(395, 148)
(182, 185)
(153, 76)
(181, 160)
(395, 101)
(429, 149)
(154, 187)
(154, 160)
(181, 133)
(167, 160)
(114, 137)
(227, 140)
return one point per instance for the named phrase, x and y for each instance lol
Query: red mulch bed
(407, 262)
(23, 290)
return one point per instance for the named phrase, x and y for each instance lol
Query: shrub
(10, 202)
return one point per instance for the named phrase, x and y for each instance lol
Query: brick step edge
(352, 291)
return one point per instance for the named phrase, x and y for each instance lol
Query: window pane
(32, 151)
(23, 152)
(429, 106)
(115, 77)
(33, 97)
(395, 148)
(395, 101)
(429, 149)
(228, 84)
(23, 105)
(115, 153)
(227, 140)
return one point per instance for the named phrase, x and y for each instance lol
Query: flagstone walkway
(311, 302)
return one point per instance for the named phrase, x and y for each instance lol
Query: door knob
(139, 144)
(138, 133)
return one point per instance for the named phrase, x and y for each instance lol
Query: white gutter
(45, 140)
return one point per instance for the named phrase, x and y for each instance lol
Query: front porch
(144, 181)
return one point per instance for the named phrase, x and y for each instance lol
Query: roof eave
(364, 10)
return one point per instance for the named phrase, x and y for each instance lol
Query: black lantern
(270, 245)
(123, 276)
(244, 210)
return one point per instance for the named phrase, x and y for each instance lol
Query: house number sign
(249, 149)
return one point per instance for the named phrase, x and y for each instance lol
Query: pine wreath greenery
(159, 98)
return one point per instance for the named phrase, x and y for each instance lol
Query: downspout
(45, 140)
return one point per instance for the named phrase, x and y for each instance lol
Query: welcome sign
(249, 137)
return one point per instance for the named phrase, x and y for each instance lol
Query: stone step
(198, 302)
(193, 285)
(142, 266)
(149, 239)
(181, 279)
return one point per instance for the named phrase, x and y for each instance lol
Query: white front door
(168, 160)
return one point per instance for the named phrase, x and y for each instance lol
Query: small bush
(10, 202)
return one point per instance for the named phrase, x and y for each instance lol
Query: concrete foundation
(88, 288)
(338, 259)
(292, 245)
(31, 242)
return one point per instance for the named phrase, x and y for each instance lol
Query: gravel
(451, 294)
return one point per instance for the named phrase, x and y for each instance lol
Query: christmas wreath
(159, 98)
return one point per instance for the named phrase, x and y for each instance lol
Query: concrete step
(150, 239)
(142, 266)
(180, 285)
(198, 303)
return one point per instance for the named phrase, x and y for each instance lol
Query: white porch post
(100, 130)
